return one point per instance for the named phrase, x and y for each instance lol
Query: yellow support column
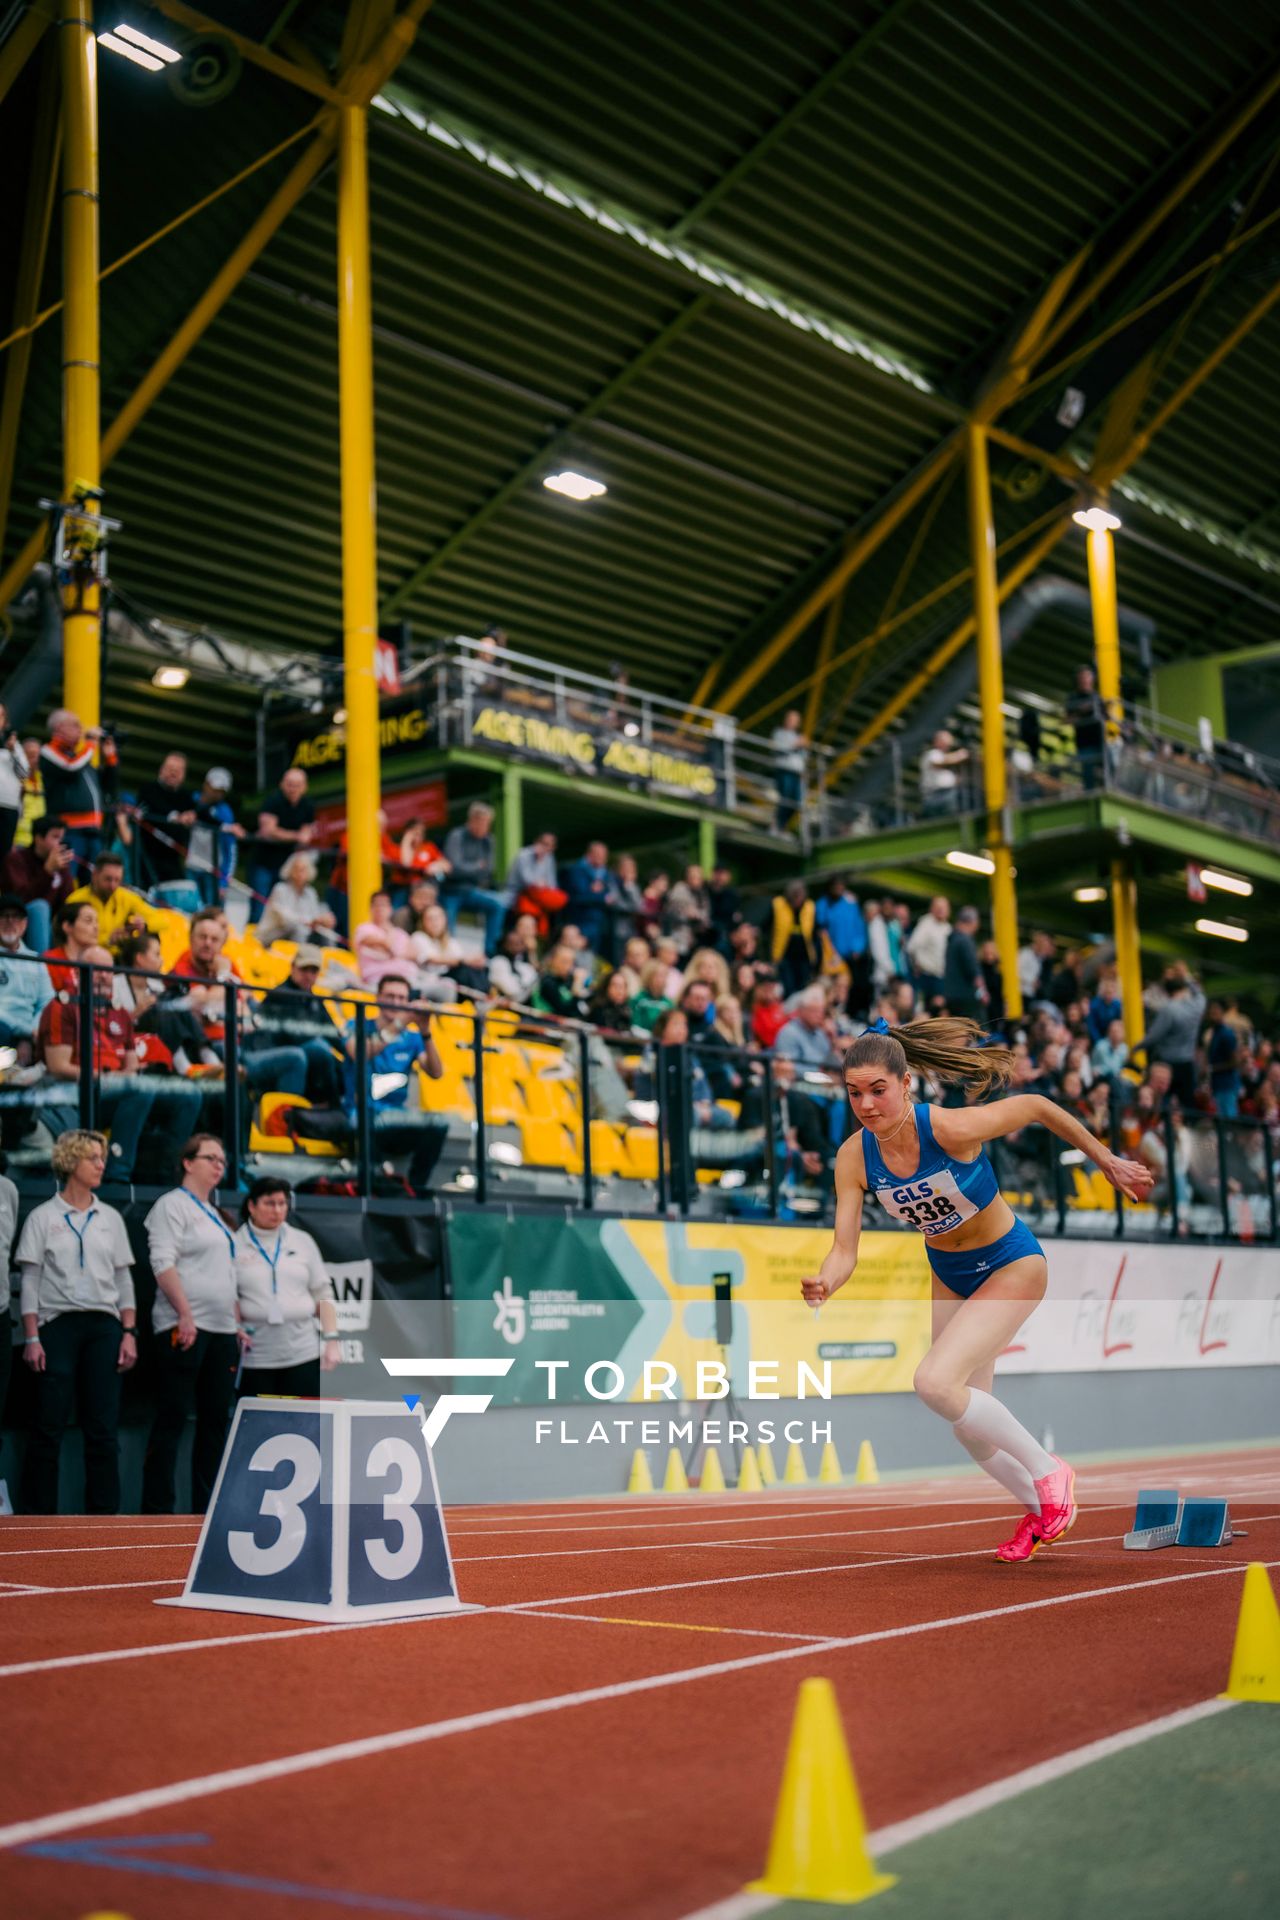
(1106, 622)
(359, 515)
(986, 608)
(80, 427)
(1124, 915)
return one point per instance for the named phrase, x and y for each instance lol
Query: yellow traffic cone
(675, 1479)
(1255, 1660)
(764, 1460)
(819, 1845)
(829, 1468)
(793, 1474)
(713, 1480)
(640, 1480)
(749, 1480)
(866, 1473)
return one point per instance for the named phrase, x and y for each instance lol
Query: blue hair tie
(877, 1026)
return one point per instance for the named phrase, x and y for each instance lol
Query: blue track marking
(123, 1854)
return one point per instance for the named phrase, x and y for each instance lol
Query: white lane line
(679, 1626)
(106, 1658)
(126, 1546)
(94, 1586)
(746, 1508)
(203, 1786)
(887, 1840)
(120, 1523)
(935, 1819)
(764, 1539)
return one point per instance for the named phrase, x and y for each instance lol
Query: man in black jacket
(292, 1015)
(166, 814)
(962, 982)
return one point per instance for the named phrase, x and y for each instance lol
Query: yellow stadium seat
(546, 1143)
(260, 1141)
(450, 1094)
(609, 1149)
(642, 1151)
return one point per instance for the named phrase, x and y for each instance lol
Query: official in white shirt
(193, 1257)
(78, 1318)
(286, 1300)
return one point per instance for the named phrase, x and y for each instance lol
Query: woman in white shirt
(293, 910)
(14, 770)
(193, 1257)
(78, 1315)
(282, 1285)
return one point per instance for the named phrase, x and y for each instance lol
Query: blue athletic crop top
(941, 1194)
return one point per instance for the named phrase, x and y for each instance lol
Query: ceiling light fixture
(1097, 520)
(139, 47)
(971, 862)
(1222, 930)
(1226, 882)
(1088, 896)
(574, 486)
(171, 677)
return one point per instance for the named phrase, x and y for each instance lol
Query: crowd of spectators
(646, 963)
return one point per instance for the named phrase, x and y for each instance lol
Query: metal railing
(1231, 794)
(499, 700)
(530, 1106)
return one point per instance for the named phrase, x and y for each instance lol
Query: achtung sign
(627, 759)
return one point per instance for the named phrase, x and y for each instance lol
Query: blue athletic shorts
(964, 1273)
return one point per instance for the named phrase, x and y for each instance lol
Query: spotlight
(972, 862)
(1222, 929)
(154, 55)
(170, 677)
(1226, 882)
(1089, 896)
(574, 486)
(1097, 520)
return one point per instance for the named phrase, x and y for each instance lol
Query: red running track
(607, 1738)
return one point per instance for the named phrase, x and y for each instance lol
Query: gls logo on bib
(907, 1196)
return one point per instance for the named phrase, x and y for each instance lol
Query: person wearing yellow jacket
(794, 946)
(120, 909)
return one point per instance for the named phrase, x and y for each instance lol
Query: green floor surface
(1184, 1827)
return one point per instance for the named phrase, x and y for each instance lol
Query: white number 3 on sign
(280, 1503)
(397, 1456)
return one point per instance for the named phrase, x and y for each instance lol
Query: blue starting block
(1164, 1519)
(324, 1510)
(1156, 1519)
(1205, 1523)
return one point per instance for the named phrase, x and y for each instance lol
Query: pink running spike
(1025, 1541)
(1057, 1496)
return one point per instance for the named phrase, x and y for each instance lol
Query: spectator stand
(513, 711)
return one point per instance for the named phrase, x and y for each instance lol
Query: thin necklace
(910, 1114)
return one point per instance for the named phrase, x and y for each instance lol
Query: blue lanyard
(272, 1259)
(80, 1232)
(217, 1220)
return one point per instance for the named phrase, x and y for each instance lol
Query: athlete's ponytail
(948, 1048)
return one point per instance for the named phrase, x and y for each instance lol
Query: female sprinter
(927, 1168)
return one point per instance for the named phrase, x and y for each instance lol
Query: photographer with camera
(14, 770)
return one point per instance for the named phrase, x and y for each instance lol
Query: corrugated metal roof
(748, 266)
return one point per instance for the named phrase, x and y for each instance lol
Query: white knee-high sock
(1004, 1468)
(985, 1419)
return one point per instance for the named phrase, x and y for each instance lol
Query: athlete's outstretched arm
(843, 1257)
(959, 1128)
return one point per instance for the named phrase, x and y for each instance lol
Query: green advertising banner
(561, 1297)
